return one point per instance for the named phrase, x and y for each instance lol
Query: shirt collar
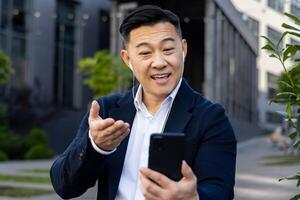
(138, 103)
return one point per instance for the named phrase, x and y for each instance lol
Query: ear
(184, 46)
(125, 57)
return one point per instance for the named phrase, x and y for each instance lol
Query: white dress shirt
(143, 126)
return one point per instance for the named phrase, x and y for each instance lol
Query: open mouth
(161, 76)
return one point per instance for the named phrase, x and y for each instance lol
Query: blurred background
(48, 49)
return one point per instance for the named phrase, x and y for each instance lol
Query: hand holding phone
(166, 154)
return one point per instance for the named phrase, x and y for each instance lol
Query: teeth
(160, 76)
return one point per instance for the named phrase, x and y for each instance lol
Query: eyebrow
(163, 41)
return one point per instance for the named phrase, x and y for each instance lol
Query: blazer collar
(180, 112)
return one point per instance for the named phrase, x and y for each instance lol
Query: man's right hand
(106, 133)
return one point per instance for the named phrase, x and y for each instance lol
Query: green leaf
(293, 18)
(293, 177)
(273, 56)
(290, 51)
(281, 94)
(296, 144)
(293, 135)
(294, 34)
(287, 26)
(269, 41)
(296, 197)
(269, 47)
(286, 84)
(279, 100)
(283, 114)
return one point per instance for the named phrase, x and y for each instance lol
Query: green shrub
(6, 71)
(3, 156)
(105, 73)
(3, 114)
(39, 152)
(37, 137)
(11, 144)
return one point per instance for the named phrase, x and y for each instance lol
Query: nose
(159, 61)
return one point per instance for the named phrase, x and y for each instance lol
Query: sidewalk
(253, 180)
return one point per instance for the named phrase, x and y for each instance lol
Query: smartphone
(166, 153)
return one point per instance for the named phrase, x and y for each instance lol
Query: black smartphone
(166, 153)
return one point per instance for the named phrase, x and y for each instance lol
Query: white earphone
(130, 65)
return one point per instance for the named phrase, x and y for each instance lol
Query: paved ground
(253, 181)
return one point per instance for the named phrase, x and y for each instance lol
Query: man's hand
(156, 186)
(106, 133)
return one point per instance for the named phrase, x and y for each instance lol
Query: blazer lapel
(126, 112)
(180, 113)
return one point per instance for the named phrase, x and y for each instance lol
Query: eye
(168, 49)
(144, 53)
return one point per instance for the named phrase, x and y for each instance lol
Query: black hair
(147, 15)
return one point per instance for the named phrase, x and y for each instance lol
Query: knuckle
(147, 187)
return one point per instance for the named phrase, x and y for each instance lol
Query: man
(112, 142)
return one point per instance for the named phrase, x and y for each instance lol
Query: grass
(280, 160)
(25, 179)
(22, 192)
(36, 170)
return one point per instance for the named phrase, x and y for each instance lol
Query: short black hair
(147, 15)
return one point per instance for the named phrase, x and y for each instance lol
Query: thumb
(186, 171)
(94, 111)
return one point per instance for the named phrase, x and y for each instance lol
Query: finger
(150, 189)
(121, 137)
(118, 125)
(119, 133)
(157, 177)
(187, 171)
(94, 111)
(101, 125)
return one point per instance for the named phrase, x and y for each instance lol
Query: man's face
(156, 54)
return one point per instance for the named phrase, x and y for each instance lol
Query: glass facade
(13, 36)
(295, 42)
(274, 118)
(252, 24)
(295, 7)
(272, 86)
(65, 52)
(277, 5)
(274, 36)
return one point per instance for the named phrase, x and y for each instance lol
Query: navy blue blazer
(210, 148)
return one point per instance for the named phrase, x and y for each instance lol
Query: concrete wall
(267, 17)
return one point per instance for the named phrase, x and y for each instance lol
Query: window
(272, 86)
(104, 27)
(13, 36)
(65, 43)
(4, 14)
(252, 24)
(274, 36)
(276, 5)
(295, 7)
(274, 118)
